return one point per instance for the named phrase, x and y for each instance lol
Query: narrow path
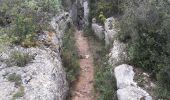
(83, 89)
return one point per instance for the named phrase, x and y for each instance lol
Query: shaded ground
(83, 88)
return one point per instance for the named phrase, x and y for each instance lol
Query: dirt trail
(83, 89)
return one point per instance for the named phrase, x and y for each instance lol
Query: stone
(110, 31)
(127, 88)
(86, 11)
(98, 30)
(118, 53)
(132, 93)
(124, 75)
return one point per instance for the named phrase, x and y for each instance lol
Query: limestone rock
(42, 79)
(124, 76)
(98, 30)
(132, 93)
(118, 53)
(127, 88)
(110, 31)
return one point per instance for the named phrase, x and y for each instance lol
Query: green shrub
(15, 78)
(19, 94)
(107, 7)
(145, 27)
(104, 81)
(22, 20)
(69, 56)
(20, 59)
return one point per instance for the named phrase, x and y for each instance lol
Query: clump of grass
(104, 80)
(15, 78)
(19, 94)
(69, 55)
(19, 59)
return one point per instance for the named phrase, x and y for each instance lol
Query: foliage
(102, 18)
(15, 78)
(21, 20)
(101, 6)
(20, 59)
(104, 81)
(69, 56)
(19, 94)
(145, 27)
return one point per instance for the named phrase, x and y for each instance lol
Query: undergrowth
(69, 56)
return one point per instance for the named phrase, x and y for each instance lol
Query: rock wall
(41, 75)
(124, 74)
(77, 9)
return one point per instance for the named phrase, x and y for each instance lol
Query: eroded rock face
(127, 88)
(39, 75)
(60, 23)
(42, 79)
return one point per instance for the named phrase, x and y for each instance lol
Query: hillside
(84, 50)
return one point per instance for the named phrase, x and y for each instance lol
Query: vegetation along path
(83, 89)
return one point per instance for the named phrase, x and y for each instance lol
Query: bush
(69, 56)
(22, 20)
(15, 78)
(19, 59)
(145, 27)
(107, 7)
(19, 94)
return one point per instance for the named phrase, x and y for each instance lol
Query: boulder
(124, 75)
(133, 93)
(98, 30)
(111, 31)
(127, 88)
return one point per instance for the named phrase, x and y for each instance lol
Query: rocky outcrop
(60, 23)
(111, 31)
(98, 30)
(79, 11)
(124, 74)
(118, 54)
(127, 88)
(42, 79)
(108, 33)
(35, 73)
